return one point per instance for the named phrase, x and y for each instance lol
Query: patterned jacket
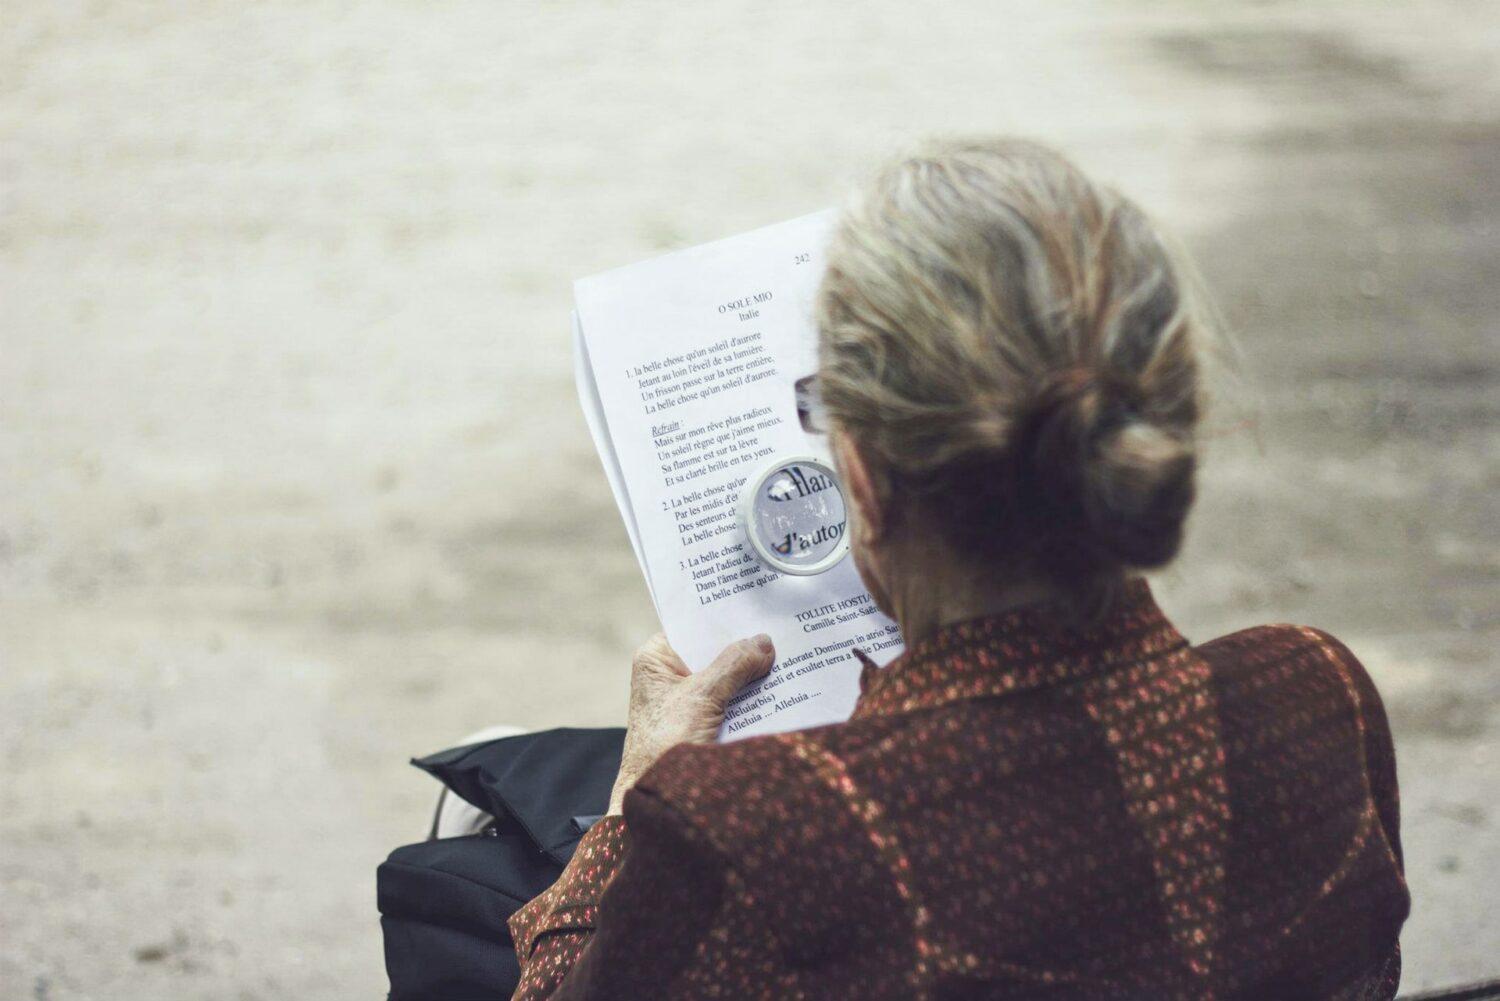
(1016, 809)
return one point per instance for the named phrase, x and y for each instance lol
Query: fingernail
(764, 642)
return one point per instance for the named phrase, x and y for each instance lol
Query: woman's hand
(669, 705)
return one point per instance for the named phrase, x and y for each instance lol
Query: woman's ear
(860, 488)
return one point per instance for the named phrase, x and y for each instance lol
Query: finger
(655, 654)
(739, 664)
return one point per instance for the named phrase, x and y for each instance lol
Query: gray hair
(1013, 347)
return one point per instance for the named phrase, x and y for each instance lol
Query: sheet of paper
(593, 415)
(693, 357)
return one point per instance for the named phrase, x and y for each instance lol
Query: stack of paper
(685, 367)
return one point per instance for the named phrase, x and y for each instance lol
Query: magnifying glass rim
(747, 513)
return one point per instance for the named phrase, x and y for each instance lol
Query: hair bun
(1016, 349)
(1121, 484)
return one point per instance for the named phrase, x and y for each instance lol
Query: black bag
(444, 904)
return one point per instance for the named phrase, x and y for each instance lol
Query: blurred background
(294, 484)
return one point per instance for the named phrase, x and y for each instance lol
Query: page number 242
(802, 259)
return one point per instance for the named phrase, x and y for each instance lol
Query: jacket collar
(1016, 651)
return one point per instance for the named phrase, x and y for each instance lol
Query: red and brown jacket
(1016, 809)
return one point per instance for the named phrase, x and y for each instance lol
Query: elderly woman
(1052, 793)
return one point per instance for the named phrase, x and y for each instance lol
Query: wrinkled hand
(669, 705)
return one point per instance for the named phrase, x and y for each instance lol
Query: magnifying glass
(793, 514)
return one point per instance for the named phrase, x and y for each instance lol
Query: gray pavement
(293, 483)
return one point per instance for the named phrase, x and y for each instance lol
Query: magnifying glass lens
(795, 517)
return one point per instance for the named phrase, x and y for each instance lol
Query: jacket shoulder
(1281, 654)
(1311, 770)
(1272, 641)
(1305, 687)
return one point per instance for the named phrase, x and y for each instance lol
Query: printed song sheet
(685, 367)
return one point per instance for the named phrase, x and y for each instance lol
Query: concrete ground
(293, 482)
